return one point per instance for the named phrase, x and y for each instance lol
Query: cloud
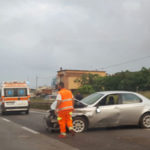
(132, 5)
(40, 36)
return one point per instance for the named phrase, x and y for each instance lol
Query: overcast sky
(37, 37)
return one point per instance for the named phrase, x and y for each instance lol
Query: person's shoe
(62, 136)
(72, 132)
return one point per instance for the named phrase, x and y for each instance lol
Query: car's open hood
(79, 104)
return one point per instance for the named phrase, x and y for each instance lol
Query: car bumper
(6, 109)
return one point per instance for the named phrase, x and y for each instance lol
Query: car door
(107, 113)
(130, 108)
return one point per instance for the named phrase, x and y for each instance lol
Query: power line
(126, 62)
(38, 78)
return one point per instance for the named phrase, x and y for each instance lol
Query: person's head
(60, 85)
(78, 93)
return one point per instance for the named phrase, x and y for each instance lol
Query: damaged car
(107, 109)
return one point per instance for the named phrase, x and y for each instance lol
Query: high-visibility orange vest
(67, 100)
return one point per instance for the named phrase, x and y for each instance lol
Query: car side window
(128, 98)
(112, 99)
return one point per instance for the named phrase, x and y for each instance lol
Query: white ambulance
(14, 96)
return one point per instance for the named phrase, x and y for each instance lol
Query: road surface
(27, 132)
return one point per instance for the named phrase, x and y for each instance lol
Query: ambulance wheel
(27, 112)
(3, 113)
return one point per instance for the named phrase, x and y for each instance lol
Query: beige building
(69, 77)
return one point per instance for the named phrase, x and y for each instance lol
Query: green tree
(130, 81)
(90, 83)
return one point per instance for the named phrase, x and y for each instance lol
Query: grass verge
(40, 103)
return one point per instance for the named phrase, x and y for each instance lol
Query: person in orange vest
(64, 108)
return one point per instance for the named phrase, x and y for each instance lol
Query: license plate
(20, 103)
(10, 103)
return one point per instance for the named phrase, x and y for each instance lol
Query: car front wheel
(145, 121)
(79, 124)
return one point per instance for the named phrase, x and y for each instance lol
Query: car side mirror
(98, 110)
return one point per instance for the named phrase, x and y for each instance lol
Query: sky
(37, 37)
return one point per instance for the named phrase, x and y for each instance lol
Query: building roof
(81, 70)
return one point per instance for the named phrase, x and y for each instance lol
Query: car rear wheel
(145, 121)
(79, 124)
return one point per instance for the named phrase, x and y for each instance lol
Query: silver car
(111, 108)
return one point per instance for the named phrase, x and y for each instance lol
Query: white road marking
(6, 120)
(25, 128)
(30, 130)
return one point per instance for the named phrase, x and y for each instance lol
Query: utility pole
(36, 79)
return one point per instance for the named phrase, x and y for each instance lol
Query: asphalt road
(121, 138)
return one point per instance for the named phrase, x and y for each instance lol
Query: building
(43, 90)
(32, 92)
(69, 77)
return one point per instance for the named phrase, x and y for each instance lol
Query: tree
(90, 83)
(130, 81)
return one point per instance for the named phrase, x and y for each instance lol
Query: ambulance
(14, 96)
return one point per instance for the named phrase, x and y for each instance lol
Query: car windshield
(91, 99)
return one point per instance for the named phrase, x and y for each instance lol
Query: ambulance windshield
(15, 92)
